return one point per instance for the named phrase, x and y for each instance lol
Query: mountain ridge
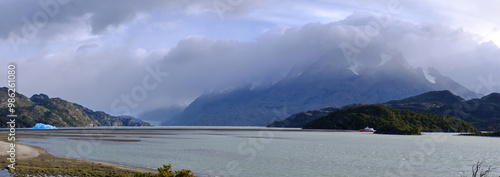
(483, 113)
(58, 112)
(389, 121)
(330, 81)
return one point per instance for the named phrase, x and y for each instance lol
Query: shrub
(166, 171)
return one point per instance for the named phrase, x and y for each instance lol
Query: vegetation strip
(493, 134)
(46, 164)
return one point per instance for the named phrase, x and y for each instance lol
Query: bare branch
(485, 172)
(478, 168)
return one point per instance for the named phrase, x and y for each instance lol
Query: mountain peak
(376, 75)
(38, 98)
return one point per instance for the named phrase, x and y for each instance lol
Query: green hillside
(483, 113)
(389, 121)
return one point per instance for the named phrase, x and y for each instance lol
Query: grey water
(249, 152)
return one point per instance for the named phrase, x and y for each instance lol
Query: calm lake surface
(250, 152)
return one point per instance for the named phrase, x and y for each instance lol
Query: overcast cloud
(93, 53)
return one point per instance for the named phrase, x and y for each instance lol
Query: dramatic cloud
(102, 15)
(223, 64)
(99, 53)
(20, 15)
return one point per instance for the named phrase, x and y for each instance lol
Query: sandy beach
(22, 151)
(25, 152)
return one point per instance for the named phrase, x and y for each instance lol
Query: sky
(127, 57)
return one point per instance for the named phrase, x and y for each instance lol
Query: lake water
(250, 152)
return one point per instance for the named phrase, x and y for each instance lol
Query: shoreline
(36, 159)
(484, 134)
(186, 128)
(26, 154)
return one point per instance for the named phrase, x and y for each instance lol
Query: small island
(389, 121)
(492, 134)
